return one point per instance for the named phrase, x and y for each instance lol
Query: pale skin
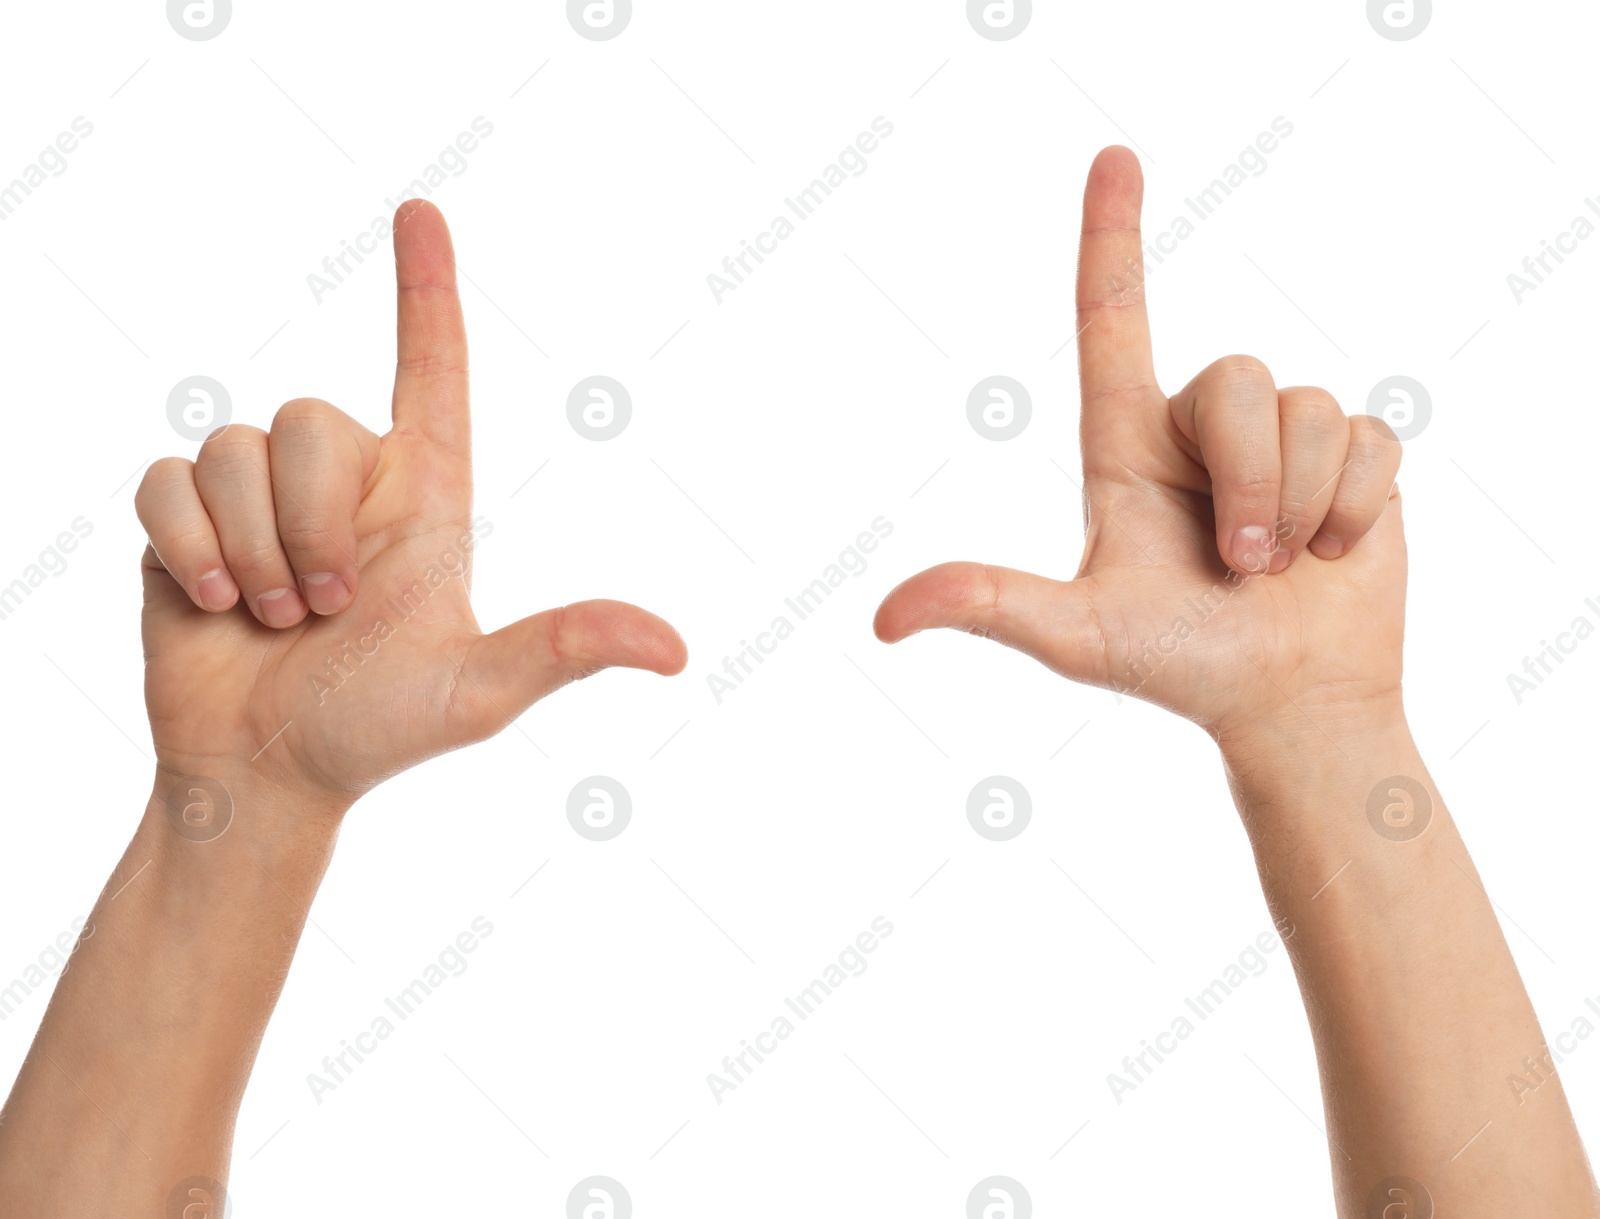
(1417, 1010)
(274, 551)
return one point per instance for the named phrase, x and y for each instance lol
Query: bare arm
(1245, 567)
(307, 634)
(1419, 1016)
(129, 1093)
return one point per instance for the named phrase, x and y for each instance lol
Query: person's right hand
(313, 582)
(1244, 555)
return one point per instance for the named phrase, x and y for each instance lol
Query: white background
(806, 804)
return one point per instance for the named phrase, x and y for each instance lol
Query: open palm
(1243, 546)
(307, 612)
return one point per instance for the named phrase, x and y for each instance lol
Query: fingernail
(217, 589)
(1251, 549)
(325, 592)
(1326, 547)
(1280, 560)
(281, 607)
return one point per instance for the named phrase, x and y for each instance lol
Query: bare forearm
(134, 1080)
(1416, 1007)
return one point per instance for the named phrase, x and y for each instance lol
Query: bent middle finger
(233, 475)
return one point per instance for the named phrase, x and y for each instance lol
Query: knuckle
(1294, 522)
(1342, 522)
(568, 646)
(187, 546)
(1253, 487)
(1374, 444)
(255, 557)
(306, 538)
(302, 414)
(428, 365)
(1372, 434)
(985, 591)
(164, 475)
(230, 446)
(1240, 372)
(560, 640)
(1310, 406)
(303, 530)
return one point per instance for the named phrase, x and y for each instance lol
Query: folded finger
(168, 506)
(1230, 414)
(320, 460)
(232, 474)
(1315, 439)
(1364, 487)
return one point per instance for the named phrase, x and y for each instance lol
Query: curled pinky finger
(182, 535)
(1363, 489)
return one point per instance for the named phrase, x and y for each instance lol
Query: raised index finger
(430, 379)
(1114, 332)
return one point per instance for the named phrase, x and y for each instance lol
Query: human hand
(1243, 547)
(314, 582)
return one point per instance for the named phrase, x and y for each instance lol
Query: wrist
(172, 980)
(1312, 736)
(225, 828)
(238, 860)
(1343, 819)
(201, 798)
(1328, 773)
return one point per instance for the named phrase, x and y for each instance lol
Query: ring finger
(1316, 442)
